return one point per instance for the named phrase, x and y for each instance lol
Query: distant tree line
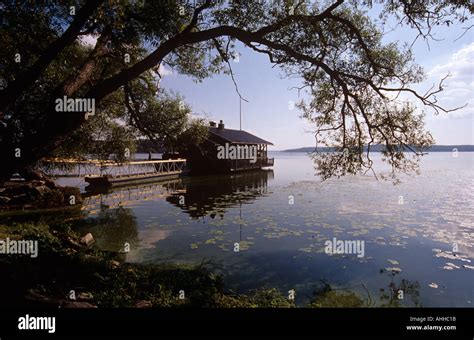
(382, 148)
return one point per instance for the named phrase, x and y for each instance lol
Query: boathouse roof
(235, 136)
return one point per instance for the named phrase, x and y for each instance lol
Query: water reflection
(404, 293)
(212, 196)
(399, 291)
(114, 230)
(109, 198)
(113, 224)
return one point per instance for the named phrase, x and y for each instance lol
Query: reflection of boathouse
(211, 196)
(227, 150)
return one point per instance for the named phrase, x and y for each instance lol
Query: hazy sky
(268, 113)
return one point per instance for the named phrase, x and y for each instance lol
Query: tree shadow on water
(394, 295)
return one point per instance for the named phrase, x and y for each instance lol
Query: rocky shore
(37, 194)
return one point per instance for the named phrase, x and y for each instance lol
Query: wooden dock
(112, 174)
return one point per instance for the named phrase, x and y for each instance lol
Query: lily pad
(393, 269)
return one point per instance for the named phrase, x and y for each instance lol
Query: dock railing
(136, 168)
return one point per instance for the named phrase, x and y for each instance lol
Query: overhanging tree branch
(20, 84)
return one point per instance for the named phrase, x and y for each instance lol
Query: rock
(38, 176)
(143, 304)
(4, 200)
(90, 259)
(70, 251)
(85, 296)
(78, 304)
(20, 199)
(16, 190)
(40, 193)
(32, 295)
(73, 242)
(114, 264)
(37, 183)
(41, 190)
(87, 239)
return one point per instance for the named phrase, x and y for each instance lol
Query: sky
(269, 112)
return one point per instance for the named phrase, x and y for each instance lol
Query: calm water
(282, 245)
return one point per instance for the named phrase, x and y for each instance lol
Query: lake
(270, 228)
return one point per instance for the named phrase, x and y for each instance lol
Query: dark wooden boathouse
(207, 157)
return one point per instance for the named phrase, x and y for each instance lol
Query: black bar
(223, 323)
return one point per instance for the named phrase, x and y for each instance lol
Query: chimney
(212, 124)
(221, 125)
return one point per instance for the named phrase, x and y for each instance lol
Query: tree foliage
(335, 48)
